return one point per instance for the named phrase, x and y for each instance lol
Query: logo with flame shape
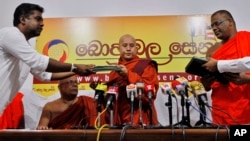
(56, 49)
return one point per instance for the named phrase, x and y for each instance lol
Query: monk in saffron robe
(231, 101)
(69, 111)
(133, 70)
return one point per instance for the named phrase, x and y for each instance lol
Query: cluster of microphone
(109, 94)
(102, 91)
(178, 87)
(181, 87)
(136, 90)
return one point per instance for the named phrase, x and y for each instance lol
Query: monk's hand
(211, 65)
(43, 128)
(123, 70)
(84, 70)
(237, 78)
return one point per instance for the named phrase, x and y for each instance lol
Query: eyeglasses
(217, 23)
(71, 82)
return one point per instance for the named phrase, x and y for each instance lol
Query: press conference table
(168, 134)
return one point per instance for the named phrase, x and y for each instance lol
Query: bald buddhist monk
(69, 111)
(231, 101)
(133, 70)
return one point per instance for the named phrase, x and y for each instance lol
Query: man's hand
(84, 70)
(211, 65)
(236, 78)
(123, 70)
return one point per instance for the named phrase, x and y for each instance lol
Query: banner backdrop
(169, 40)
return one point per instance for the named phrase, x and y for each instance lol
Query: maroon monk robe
(138, 70)
(81, 113)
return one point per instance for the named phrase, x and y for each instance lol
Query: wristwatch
(73, 68)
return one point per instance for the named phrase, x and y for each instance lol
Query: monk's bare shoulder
(212, 49)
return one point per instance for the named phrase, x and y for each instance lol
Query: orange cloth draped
(13, 115)
(233, 99)
(146, 72)
(82, 113)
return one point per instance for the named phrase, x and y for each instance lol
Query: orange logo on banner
(56, 49)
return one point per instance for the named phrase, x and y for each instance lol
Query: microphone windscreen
(166, 89)
(113, 90)
(149, 88)
(140, 85)
(101, 87)
(197, 87)
(174, 83)
(131, 88)
(182, 80)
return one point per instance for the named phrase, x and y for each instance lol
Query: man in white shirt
(234, 65)
(18, 58)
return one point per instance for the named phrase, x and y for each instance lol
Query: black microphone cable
(221, 110)
(183, 133)
(125, 128)
(198, 110)
(218, 129)
(123, 132)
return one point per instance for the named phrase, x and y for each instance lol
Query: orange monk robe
(233, 99)
(13, 115)
(81, 114)
(146, 72)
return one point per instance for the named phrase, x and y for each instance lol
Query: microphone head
(197, 88)
(166, 89)
(182, 80)
(113, 90)
(178, 87)
(131, 88)
(101, 87)
(140, 87)
(149, 89)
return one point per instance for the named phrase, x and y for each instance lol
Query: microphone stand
(202, 122)
(169, 105)
(140, 107)
(132, 98)
(150, 112)
(184, 103)
(99, 110)
(111, 110)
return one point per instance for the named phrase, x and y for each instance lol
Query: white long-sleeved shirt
(235, 65)
(17, 59)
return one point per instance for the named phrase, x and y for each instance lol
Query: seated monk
(69, 111)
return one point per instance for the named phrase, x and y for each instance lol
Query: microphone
(180, 89)
(100, 90)
(167, 89)
(149, 89)
(199, 91)
(140, 87)
(112, 95)
(131, 91)
(182, 80)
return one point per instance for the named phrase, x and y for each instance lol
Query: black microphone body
(181, 89)
(200, 92)
(112, 95)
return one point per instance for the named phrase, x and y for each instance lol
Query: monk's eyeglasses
(217, 23)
